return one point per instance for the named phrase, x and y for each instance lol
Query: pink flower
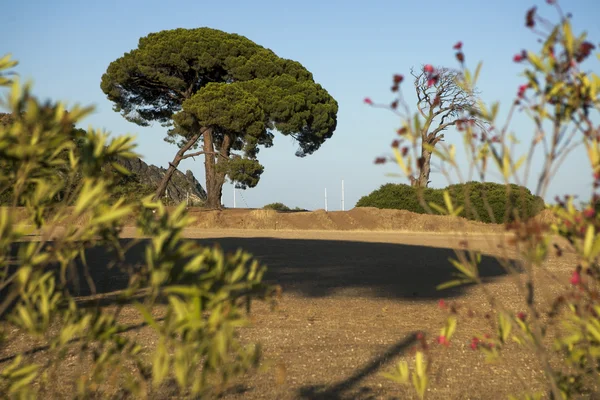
(458, 46)
(589, 213)
(575, 278)
(442, 304)
(428, 68)
(475, 343)
(368, 101)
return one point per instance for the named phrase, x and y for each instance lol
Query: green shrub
(277, 207)
(205, 294)
(399, 197)
(488, 201)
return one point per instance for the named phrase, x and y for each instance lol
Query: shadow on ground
(348, 388)
(318, 268)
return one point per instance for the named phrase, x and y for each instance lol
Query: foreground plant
(561, 98)
(201, 294)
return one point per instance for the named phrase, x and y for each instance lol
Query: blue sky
(352, 47)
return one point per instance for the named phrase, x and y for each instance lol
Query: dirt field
(354, 300)
(357, 219)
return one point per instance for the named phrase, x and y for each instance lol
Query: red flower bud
(575, 278)
(398, 78)
(442, 304)
(443, 340)
(395, 144)
(520, 56)
(522, 316)
(529, 17)
(432, 81)
(457, 46)
(428, 68)
(368, 101)
(522, 90)
(589, 213)
(584, 51)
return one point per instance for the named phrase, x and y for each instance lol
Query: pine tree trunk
(160, 191)
(214, 188)
(215, 177)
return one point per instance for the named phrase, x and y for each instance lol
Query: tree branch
(143, 82)
(440, 128)
(198, 153)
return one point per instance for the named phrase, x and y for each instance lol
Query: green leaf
(399, 375)
(400, 161)
(181, 366)
(467, 271)
(419, 377)
(589, 241)
(450, 327)
(504, 326)
(417, 124)
(536, 61)
(448, 202)
(23, 377)
(160, 363)
(453, 283)
(568, 36)
(477, 71)
(495, 108)
(146, 316)
(114, 214)
(437, 208)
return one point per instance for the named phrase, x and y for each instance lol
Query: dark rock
(179, 186)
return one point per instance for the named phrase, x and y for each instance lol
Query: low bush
(487, 201)
(276, 207)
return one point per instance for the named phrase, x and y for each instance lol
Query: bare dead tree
(443, 104)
